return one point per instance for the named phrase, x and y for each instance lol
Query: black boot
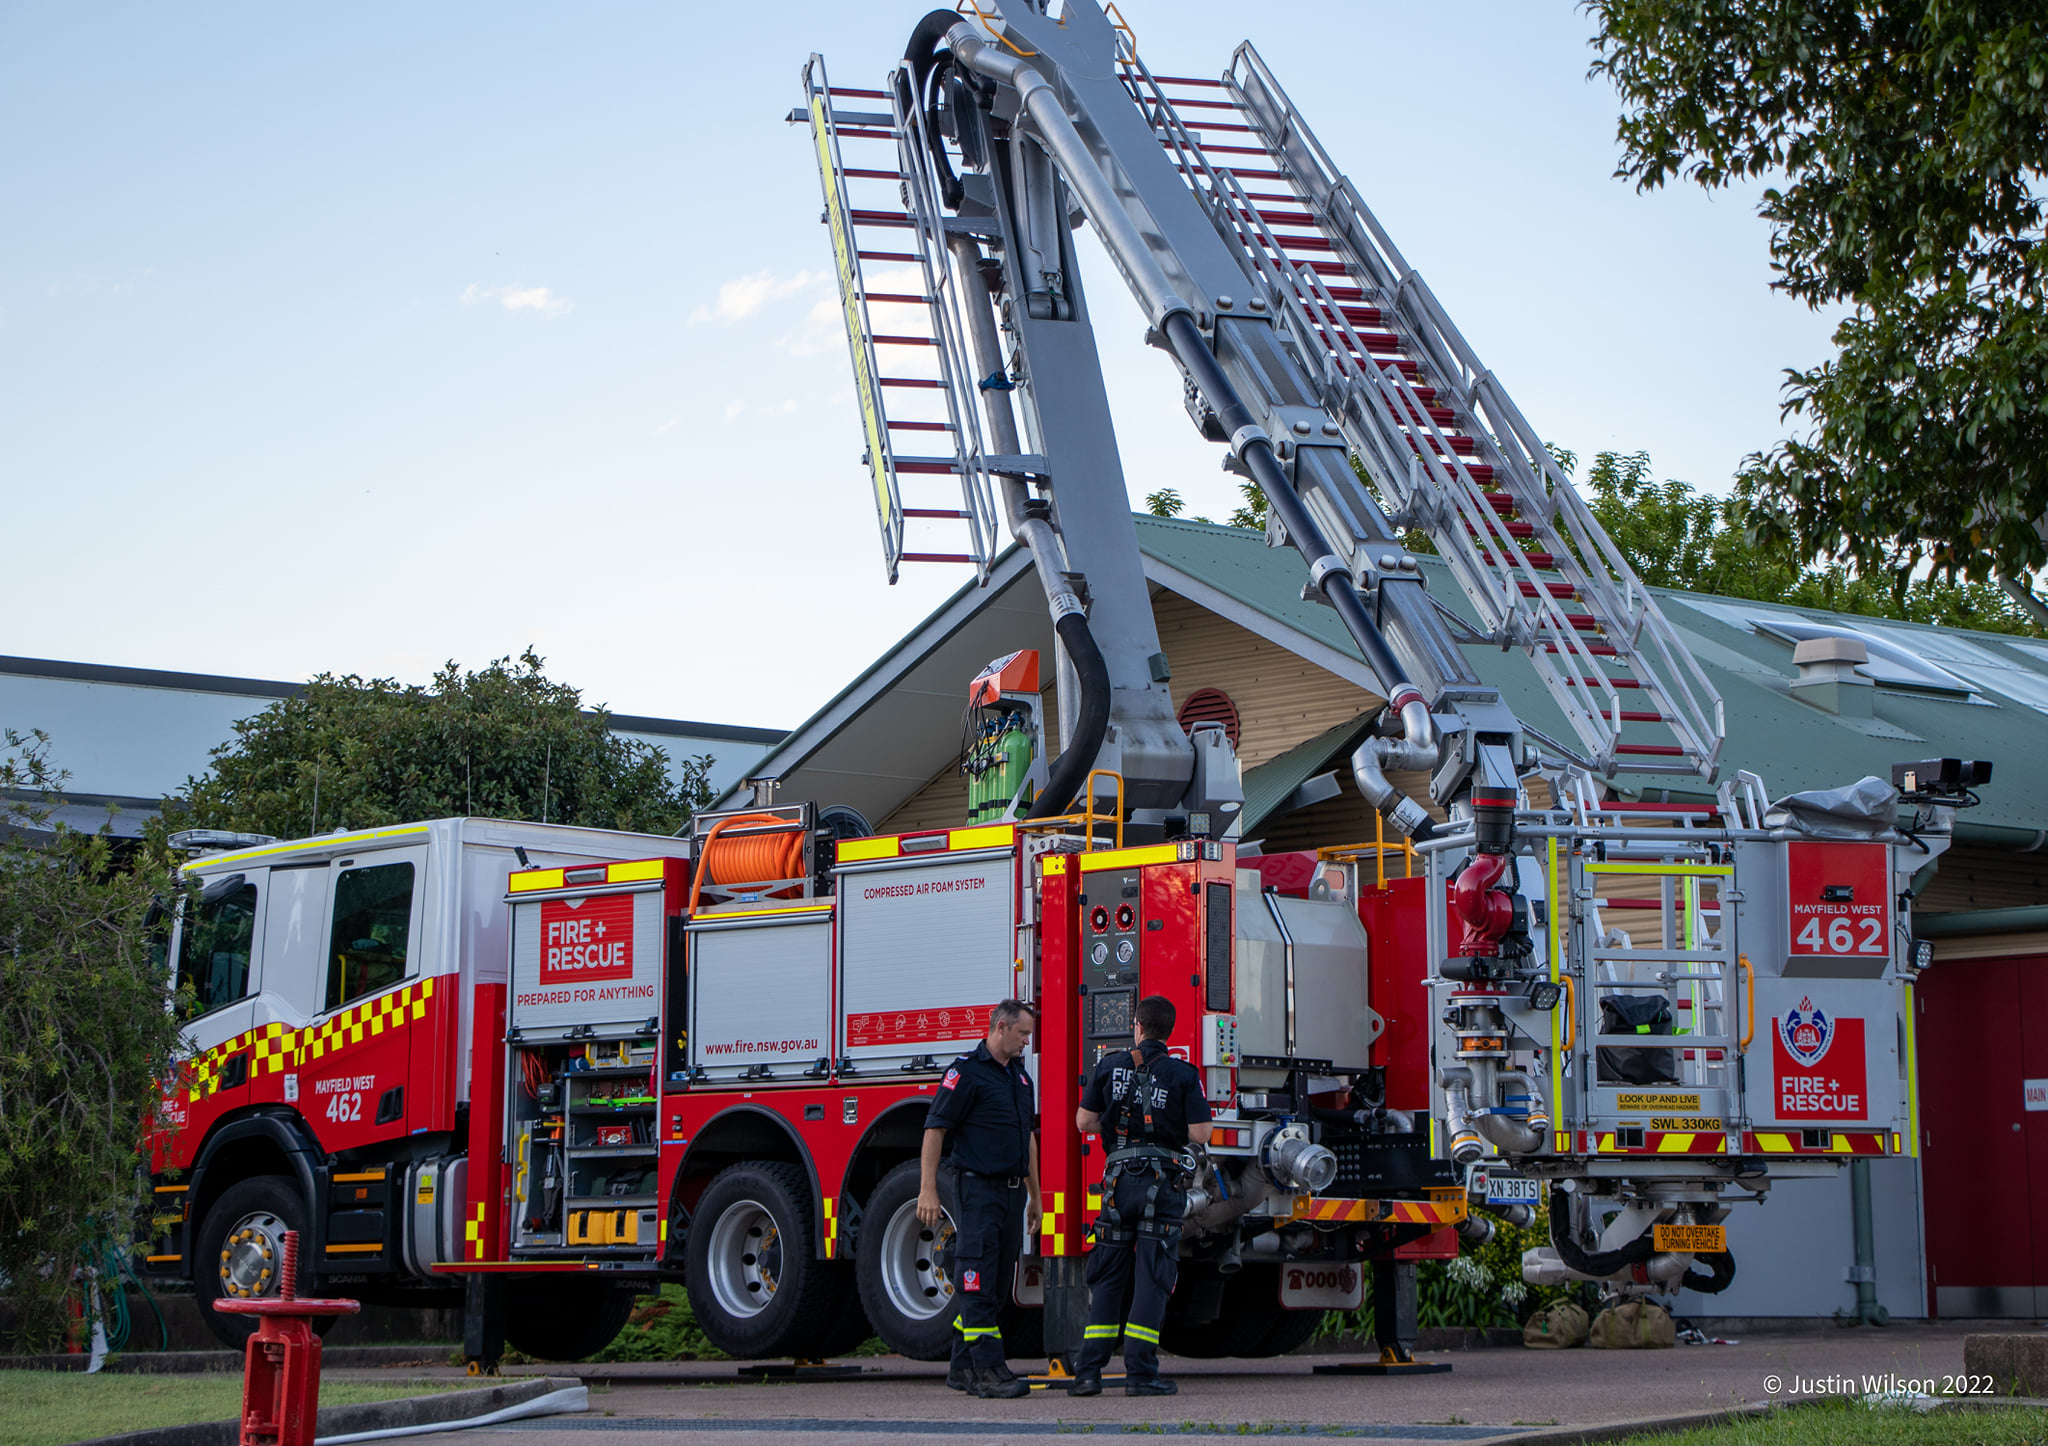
(1000, 1385)
(1086, 1383)
(960, 1377)
(1149, 1386)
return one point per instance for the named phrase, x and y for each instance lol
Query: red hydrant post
(281, 1375)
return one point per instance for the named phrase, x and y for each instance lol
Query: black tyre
(562, 1319)
(1249, 1315)
(1290, 1333)
(906, 1284)
(240, 1249)
(849, 1328)
(755, 1288)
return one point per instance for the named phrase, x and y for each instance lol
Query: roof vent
(1828, 679)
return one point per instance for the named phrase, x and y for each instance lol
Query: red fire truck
(558, 1065)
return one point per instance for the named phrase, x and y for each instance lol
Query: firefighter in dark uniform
(1150, 1110)
(984, 1101)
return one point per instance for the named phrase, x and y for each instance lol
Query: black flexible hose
(1091, 725)
(921, 55)
(1597, 1263)
(1722, 1264)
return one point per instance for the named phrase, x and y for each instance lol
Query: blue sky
(360, 338)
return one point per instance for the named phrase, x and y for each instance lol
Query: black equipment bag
(1632, 1064)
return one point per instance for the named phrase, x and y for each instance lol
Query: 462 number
(344, 1108)
(1841, 936)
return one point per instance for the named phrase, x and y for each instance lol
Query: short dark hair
(1155, 1015)
(1009, 1011)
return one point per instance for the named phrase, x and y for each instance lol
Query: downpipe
(1472, 1127)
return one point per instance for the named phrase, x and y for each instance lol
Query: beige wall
(1282, 699)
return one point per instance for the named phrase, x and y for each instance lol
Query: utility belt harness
(1134, 1154)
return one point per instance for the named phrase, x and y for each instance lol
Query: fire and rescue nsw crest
(1820, 1067)
(1807, 1033)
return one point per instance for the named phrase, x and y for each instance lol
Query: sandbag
(1634, 1325)
(1556, 1327)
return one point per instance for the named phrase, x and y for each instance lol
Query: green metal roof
(1274, 781)
(1790, 744)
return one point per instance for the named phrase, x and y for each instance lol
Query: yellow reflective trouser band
(1150, 1336)
(971, 1332)
(1099, 1333)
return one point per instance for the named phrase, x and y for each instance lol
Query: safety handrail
(1749, 1012)
(1571, 1012)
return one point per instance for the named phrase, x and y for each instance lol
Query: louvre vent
(1210, 705)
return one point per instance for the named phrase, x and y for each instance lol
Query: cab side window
(372, 922)
(214, 947)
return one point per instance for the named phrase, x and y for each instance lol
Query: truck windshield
(372, 918)
(213, 952)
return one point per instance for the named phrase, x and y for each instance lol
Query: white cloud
(733, 410)
(670, 424)
(742, 297)
(538, 299)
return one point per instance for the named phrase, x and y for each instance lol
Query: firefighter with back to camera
(1151, 1113)
(984, 1101)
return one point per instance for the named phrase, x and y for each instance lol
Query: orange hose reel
(754, 858)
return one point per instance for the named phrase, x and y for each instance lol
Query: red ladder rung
(861, 94)
(935, 557)
(927, 383)
(1650, 750)
(904, 340)
(886, 255)
(948, 512)
(903, 296)
(1190, 104)
(934, 469)
(919, 426)
(867, 173)
(1632, 717)
(1240, 173)
(899, 219)
(1188, 80)
(1598, 650)
(1610, 682)
(1555, 589)
(1542, 561)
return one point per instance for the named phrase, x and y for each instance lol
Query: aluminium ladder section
(930, 325)
(1423, 417)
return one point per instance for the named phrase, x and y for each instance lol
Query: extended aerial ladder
(1317, 355)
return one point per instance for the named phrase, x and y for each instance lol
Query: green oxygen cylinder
(1015, 752)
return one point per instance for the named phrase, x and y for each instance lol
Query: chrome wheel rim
(745, 1259)
(251, 1254)
(917, 1283)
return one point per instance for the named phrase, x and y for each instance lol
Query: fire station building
(1952, 1223)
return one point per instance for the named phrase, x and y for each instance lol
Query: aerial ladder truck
(538, 1069)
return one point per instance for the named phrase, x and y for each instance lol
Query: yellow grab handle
(1742, 963)
(1571, 1012)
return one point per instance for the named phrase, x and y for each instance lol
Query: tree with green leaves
(85, 1038)
(1905, 143)
(1679, 537)
(504, 741)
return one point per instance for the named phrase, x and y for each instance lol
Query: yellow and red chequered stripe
(277, 1047)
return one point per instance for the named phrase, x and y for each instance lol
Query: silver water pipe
(1415, 749)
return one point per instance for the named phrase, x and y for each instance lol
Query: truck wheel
(1291, 1332)
(904, 1282)
(240, 1247)
(754, 1286)
(1249, 1315)
(564, 1320)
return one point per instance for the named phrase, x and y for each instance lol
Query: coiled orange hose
(763, 856)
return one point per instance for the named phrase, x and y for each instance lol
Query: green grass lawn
(50, 1408)
(1850, 1423)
